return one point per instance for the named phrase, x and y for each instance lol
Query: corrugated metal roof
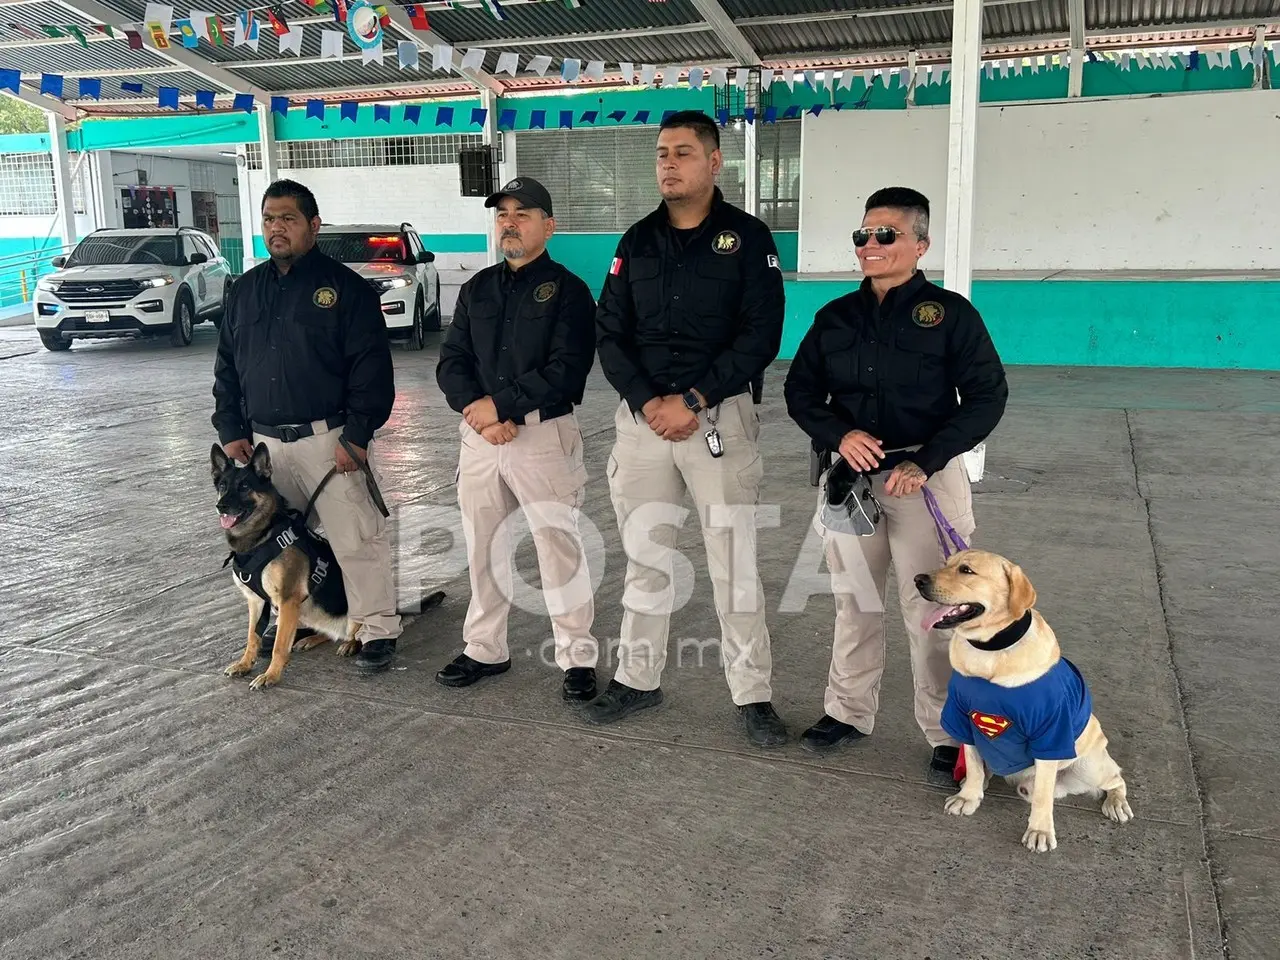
(795, 34)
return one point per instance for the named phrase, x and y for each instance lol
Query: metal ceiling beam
(125, 72)
(608, 35)
(890, 11)
(426, 41)
(734, 40)
(47, 104)
(100, 13)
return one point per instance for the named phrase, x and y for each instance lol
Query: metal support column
(250, 211)
(962, 141)
(491, 137)
(268, 144)
(65, 204)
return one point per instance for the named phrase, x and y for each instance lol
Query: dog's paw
(1116, 807)
(263, 680)
(349, 648)
(306, 643)
(238, 669)
(958, 805)
(1040, 841)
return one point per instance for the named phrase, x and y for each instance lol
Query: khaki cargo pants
(540, 472)
(354, 526)
(859, 571)
(648, 478)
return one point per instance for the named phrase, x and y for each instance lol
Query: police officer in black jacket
(303, 359)
(514, 363)
(690, 317)
(875, 381)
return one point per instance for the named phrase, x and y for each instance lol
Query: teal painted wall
(24, 259)
(1123, 323)
(435, 242)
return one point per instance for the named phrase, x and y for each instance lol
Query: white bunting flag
(766, 80)
(810, 80)
(1142, 60)
(695, 78)
(371, 54)
(741, 77)
(843, 80)
(671, 78)
(647, 72)
(159, 13)
(1243, 54)
(719, 77)
(1017, 67)
(442, 57)
(1126, 60)
(539, 65)
(474, 59)
(594, 70)
(904, 77)
(1213, 58)
(1034, 64)
(291, 42)
(628, 71)
(570, 70)
(200, 23)
(989, 68)
(330, 44)
(508, 63)
(1004, 69)
(407, 51)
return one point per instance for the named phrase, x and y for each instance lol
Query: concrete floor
(151, 808)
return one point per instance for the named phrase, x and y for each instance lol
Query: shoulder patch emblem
(928, 314)
(544, 292)
(726, 242)
(990, 724)
(325, 297)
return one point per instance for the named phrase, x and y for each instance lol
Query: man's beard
(512, 253)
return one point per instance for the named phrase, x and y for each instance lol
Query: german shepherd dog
(250, 509)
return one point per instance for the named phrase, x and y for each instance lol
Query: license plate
(98, 316)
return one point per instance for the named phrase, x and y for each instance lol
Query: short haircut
(904, 198)
(305, 199)
(702, 125)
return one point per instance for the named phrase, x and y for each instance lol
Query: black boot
(617, 701)
(464, 671)
(942, 765)
(580, 684)
(376, 655)
(764, 726)
(829, 733)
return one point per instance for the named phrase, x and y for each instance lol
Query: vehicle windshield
(362, 247)
(100, 251)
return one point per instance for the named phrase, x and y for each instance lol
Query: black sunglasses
(884, 236)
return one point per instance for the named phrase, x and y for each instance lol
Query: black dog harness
(326, 588)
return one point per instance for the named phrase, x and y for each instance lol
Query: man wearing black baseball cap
(514, 362)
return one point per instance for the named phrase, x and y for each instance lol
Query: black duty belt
(291, 434)
(547, 413)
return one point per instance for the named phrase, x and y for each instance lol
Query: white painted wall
(1168, 183)
(162, 171)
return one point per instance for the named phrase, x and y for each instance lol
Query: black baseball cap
(527, 190)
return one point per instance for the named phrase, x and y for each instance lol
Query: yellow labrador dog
(1014, 701)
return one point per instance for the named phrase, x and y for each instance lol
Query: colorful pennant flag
(494, 9)
(167, 97)
(315, 109)
(280, 105)
(349, 110)
(478, 116)
(444, 116)
(413, 113)
(538, 120)
(105, 29)
(52, 31)
(51, 83)
(417, 16)
(78, 34)
(214, 27)
(204, 99)
(159, 36)
(130, 86)
(90, 88)
(188, 31)
(507, 120)
(381, 113)
(11, 80)
(275, 15)
(339, 11)
(243, 101)
(408, 53)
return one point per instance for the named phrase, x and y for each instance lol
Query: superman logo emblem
(991, 724)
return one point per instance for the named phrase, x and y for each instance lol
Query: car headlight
(163, 281)
(393, 283)
(47, 284)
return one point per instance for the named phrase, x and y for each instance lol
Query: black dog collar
(1006, 637)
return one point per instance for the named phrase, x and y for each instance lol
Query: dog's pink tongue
(228, 520)
(937, 613)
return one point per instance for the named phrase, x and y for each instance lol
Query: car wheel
(416, 339)
(55, 341)
(433, 317)
(183, 320)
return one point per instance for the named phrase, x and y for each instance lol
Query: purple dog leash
(942, 527)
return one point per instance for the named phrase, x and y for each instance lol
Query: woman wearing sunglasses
(898, 378)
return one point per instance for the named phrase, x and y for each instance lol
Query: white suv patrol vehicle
(132, 283)
(398, 266)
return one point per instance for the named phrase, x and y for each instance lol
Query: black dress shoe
(764, 726)
(829, 733)
(269, 639)
(580, 684)
(376, 655)
(945, 760)
(464, 671)
(617, 701)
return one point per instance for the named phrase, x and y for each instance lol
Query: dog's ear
(1022, 595)
(218, 460)
(260, 463)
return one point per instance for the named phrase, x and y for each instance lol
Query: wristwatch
(691, 401)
